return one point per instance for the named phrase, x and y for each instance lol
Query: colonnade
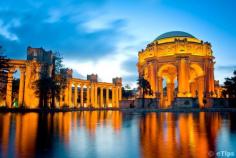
(91, 94)
(194, 79)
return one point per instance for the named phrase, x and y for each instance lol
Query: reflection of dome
(174, 34)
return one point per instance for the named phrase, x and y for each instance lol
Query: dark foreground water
(115, 134)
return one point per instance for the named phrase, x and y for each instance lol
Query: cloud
(107, 67)
(61, 28)
(5, 30)
(89, 40)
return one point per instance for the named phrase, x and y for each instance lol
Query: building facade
(178, 65)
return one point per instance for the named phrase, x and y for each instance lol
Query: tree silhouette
(43, 89)
(230, 86)
(4, 66)
(127, 93)
(47, 88)
(144, 87)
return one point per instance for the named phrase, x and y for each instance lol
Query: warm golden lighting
(178, 58)
(92, 93)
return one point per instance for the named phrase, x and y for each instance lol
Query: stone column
(160, 87)
(101, 97)
(66, 91)
(70, 94)
(211, 81)
(113, 97)
(107, 97)
(200, 84)
(92, 95)
(117, 96)
(183, 78)
(21, 87)
(170, 92)
(88, 97)
(160, 90)
(9, 89)
(95, 96)
(82, 96)
(120, 93)
(60, 101)
(193, 88)
(76, 95)
(153, 77)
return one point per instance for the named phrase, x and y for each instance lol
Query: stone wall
(185, 103)
(137, 103)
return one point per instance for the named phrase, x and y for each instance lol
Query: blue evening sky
(104, 36)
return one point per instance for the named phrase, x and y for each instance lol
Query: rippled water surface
(116, 134)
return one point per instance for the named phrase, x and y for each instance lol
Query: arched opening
(197, 82)
(15, 88)
(167, 75)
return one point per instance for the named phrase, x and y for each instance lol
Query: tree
(144, 87)
(4, 67)
(230, 86)
(127, 93)
(59, 79)
(47, 88)
(44, 88)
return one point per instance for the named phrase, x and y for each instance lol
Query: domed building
(178, 66)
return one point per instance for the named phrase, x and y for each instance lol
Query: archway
(197, 82)
(167, 75)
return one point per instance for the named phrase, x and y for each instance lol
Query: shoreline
(177, 110)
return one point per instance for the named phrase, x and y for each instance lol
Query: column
(193, 88)
(82, 96)
(92, 95)
(200, 84)
(160, 87)
(95, 96)
(159, 94)
(183, 78)
(9, 89)
(117, 96)
(21, 87)
(70, 94)
(66, 91)
(101, 97)
(107, 97)
(60, 101)
(113, 97)
(211, 80)
(170, 92)
(153, 77)
(76, 95)
(88, 97)
(120, 93)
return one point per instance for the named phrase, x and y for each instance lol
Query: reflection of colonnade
(85, 93)
(175, 132)
(32, 129)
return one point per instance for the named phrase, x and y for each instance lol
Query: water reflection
(185, 135)
(117, 134)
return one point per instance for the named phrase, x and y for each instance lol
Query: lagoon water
(115, 134)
